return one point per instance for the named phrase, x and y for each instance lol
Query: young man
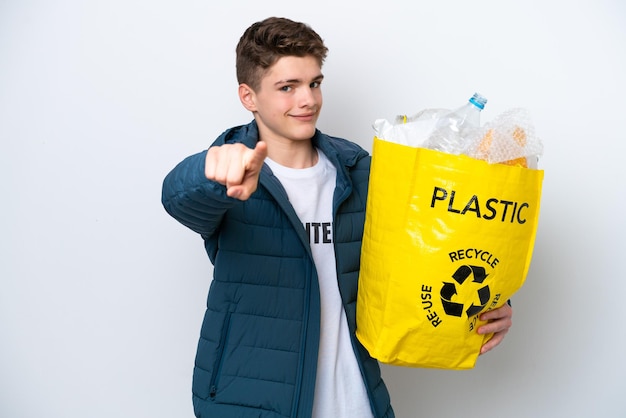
(281, 208)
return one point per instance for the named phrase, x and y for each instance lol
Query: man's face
(288, 100)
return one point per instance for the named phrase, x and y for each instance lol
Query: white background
(102, 294)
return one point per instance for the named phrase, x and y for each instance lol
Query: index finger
(253, 159)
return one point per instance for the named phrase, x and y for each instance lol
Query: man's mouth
(305, 117)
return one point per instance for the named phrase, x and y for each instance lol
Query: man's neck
(296, 154)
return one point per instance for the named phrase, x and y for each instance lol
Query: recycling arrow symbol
(460, 276)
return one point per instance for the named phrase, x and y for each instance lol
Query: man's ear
(247, 97)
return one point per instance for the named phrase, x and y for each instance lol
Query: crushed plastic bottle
(455, 130)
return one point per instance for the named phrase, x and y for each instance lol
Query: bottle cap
(478, 100)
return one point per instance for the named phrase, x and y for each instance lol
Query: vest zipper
(220, 358)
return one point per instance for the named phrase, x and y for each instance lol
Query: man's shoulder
(348, 152)
(341, 143)
(247, 134)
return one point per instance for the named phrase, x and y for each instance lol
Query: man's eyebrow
(297, 80)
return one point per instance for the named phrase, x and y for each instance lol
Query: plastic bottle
(452, 131)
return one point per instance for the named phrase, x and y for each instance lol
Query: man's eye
(315, 84)
(285, 88)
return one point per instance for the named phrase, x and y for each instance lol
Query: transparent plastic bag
(509, 139)
(409, 130)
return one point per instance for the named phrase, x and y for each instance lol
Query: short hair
(265, 42)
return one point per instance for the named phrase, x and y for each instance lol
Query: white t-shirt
(339, 388)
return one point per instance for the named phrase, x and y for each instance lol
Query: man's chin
(304, 133)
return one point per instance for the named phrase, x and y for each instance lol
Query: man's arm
(200, 189)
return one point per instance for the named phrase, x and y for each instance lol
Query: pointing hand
(237, 167)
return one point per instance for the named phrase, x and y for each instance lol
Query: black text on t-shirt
(319, 232)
